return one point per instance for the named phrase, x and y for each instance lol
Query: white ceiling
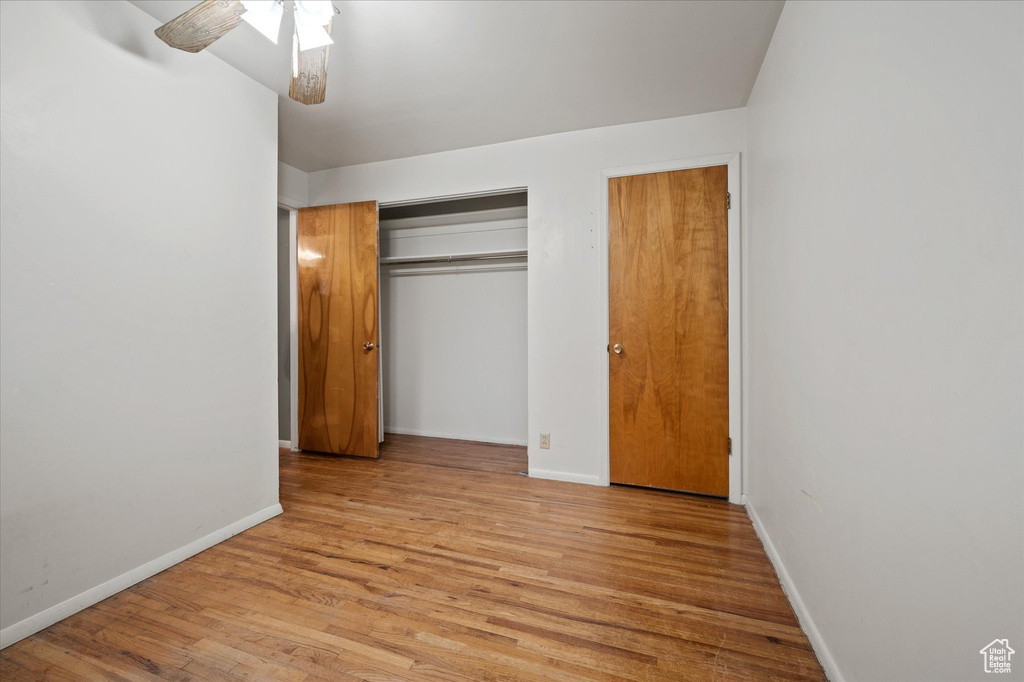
(409, 78)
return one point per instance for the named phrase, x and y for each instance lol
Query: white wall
(566, 300)
(885, 374)
(453, 336)
(137, 314)
(292, 186)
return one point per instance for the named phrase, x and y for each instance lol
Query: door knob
(368, 345)
(617, 349)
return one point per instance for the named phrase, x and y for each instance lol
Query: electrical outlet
(545, 441)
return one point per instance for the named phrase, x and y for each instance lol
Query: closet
(412, 320)
(453, 318)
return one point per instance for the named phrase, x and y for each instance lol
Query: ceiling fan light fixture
(197, 28)
(265, 16)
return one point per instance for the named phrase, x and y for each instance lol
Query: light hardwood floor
(440, 562)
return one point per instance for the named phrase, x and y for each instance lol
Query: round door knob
(617, 349)
(368, 345)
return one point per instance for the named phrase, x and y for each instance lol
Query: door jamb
(736, 305)
(293, 324)
(293, 320)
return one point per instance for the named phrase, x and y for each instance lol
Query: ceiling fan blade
(309, 72)
(199, 27)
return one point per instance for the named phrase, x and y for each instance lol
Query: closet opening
(453, 336)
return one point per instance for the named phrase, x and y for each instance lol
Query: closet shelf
(455, 258)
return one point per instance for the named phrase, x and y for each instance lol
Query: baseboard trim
(828, 662)
(44, 619)
(566, 476)
(284, 444)
(454, 436)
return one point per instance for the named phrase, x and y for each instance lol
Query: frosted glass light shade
(264, 16)
(317, 12)
(311, 35)
(310, 18)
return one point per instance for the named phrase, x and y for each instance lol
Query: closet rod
(455, 258)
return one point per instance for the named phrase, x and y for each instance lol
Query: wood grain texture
(308, 83)
(394, 570)
(198, 28)
(669, 309)
(338, 301)
(459, 454)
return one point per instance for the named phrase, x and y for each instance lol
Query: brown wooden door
(338, 329)
(668, 302)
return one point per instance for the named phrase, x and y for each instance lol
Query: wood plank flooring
(457, 454)
(439, 562)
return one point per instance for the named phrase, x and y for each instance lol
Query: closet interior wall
(453, 334)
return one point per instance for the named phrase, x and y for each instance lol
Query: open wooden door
(668, 304)
(339, 336)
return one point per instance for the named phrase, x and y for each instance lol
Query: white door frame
(293, 321)
(731, 160)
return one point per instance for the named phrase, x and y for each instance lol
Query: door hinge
(730, 447)
(728, 200)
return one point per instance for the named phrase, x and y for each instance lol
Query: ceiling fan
(199, 27)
